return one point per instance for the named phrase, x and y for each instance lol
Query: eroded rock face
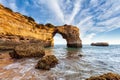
(8, 42)
(71, 34)
(47, 62)
(108, 76)
(100, 44)
(16, 24)
(28, 50)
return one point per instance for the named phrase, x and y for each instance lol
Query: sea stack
(100, 44)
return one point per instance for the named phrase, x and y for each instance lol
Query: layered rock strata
(15, 24)
(9, 42)
(22, 27)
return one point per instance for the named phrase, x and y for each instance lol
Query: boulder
(100, 44)
(108, 76)
(47, 62)
(27, 50)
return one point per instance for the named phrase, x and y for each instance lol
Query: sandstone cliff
(20, 28)
(13, 23)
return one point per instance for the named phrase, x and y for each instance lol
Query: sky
(98, 20)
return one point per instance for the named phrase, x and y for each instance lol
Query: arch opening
(59, 40)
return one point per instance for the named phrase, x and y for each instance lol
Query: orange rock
(28, 50)
(71, 34)
(47, 62)
(16, 24)
(108, 76)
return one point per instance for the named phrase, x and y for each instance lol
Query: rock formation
(47, 62)
(15, 27)
(108, 76)
(27, 50)
(71, 34)
(8, 42)
(100, 44)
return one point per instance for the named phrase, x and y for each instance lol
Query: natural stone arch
(70, 34)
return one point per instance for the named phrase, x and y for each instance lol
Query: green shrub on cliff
(49, 25)
(39, 25)
(29, 18)
(8, 9)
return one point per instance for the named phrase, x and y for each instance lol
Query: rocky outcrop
(108, 76)
(47, 62)
(70, 34)
(21, 28)
(27, 50)
(100, 44)
(8, 42)
(13, 23)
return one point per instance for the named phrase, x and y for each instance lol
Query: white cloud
(94, 3)
(13, 6)
(88, 38)
(54, 6)
(3, 2)
(85, 25)
(76, 9)
(113, 9)
(84, 21)
(111, 24)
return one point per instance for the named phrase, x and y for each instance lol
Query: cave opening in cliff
(59, 40)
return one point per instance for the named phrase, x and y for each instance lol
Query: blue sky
(98, 20)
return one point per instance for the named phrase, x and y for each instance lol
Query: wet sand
(5, 59)
(13, 69)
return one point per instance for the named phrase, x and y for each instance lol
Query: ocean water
(74, 64)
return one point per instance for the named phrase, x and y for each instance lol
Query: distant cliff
(17, 27)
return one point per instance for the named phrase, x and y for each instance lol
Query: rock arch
(70, 34)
